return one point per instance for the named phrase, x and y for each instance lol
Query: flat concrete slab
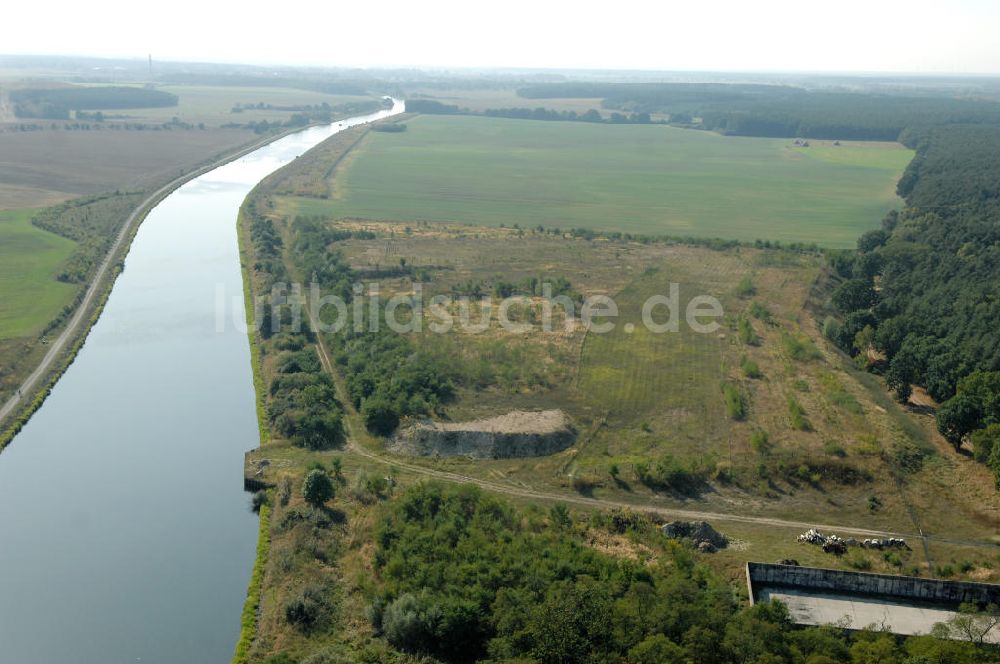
(853, 612)
(856, 600)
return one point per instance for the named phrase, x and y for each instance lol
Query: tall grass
(248, 620)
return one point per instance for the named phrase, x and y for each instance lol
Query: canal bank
(126, 534)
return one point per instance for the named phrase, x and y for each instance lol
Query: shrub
(308, 609)
(280, 658)
(560, 516)
(760, 312)
(750, 368)
(986, 443)
(584, 484)
(735, 405)
(833, 448)
(285, 490)
(668, 473)
(797, 415)
(745, 331)
(801, 349)
(858, 561)
(327, 656)
(745, 288)
(832, 329)
(367, 489)
(410, 623)
(893, 558)
(259, 499)
(380, 416)
(759, 442)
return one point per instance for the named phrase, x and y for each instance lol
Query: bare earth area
(518, 433)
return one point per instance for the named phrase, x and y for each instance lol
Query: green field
(30, 296)
(633, 178)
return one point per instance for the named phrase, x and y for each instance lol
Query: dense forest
(772, 110)
(924, 291)
(462, 576)
(56, 103)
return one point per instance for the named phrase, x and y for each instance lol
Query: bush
(259, 499)
(832, 330)
(670, 474)
(328, 656)
(309, 609)
(800, 348)
(858, 561)
(760, 312)
(735, 405)
(750, 368)
(759, 442)
(410, 623)
(893, 558)
(797, 415)
(746, 332)
(833, 448)
(368, 490)
(745, 288)
(986, 443)
(380, 416)
(280, 658)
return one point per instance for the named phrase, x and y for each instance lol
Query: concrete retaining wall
(951, 593)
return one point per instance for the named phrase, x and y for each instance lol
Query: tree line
(56, 103)
(433, 107)
(924, 290)
(778, 110)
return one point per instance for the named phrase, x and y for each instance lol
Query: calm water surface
(124, 533)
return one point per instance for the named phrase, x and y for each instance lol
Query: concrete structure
(513, 435)
(902, 604)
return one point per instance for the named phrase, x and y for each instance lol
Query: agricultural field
(30, 295)
(640, 179)
(213, 105)
(72, 171)
(39, 168)
(29, 260)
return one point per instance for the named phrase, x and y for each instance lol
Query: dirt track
(595, 503)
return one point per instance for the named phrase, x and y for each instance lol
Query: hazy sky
(847, 35)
